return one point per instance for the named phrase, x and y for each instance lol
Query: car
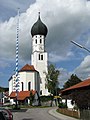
(2, 116)
(7, 113)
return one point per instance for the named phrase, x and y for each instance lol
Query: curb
(57, 115)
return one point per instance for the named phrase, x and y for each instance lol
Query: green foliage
(31, 98)
(3, 89)
(52, 79)
(46, 98)
(72, 81)
(62, 105)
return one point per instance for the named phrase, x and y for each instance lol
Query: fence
(69, 112)
(85, 114)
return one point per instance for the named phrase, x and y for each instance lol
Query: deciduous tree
(52, 79)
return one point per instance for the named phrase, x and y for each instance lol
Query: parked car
(2, 116)
(7, 113)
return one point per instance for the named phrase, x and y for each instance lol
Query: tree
(72, 81)
(52, 79)
(31, 97)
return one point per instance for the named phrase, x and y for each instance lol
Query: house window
(29, 86)
(22, 86)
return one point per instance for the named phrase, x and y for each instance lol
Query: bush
(46, 98)
(62, 105)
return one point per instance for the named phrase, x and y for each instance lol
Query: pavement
(54, 113)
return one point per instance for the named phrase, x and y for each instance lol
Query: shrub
(62, 105)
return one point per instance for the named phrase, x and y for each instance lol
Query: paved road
(34, 114)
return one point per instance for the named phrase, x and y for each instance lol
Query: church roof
(27, 68)
(82, 84)
(39, 28)
(22, 94)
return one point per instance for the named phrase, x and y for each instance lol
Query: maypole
(16, 69)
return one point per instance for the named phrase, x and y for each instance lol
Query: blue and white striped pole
(16, 70)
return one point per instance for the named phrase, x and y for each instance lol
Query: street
(33, 114)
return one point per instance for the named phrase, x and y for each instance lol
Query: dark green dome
(39, 28)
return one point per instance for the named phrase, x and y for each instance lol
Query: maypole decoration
(16, 70)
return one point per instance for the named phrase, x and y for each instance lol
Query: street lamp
(83, 47)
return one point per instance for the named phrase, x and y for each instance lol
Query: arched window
(40, 92)
(36, 41)
(22, 86)
(29, 86)
(40, 40)
(39, 57)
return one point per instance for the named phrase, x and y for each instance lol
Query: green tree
(72, 81)
(52, 79)
(31, 97)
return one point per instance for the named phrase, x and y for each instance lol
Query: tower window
(22, 85)
(36, 41)
(29, 86)
(40, 40)
(41, 57)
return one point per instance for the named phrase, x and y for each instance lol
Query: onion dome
(39, 28)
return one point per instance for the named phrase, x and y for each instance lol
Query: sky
(66, 20)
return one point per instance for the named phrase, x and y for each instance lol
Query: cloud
(83, 70)
(63, 77)
(9, 8)
(66, 20)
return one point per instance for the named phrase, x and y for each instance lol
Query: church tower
(39, 56)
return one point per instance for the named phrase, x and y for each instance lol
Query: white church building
(32, 77)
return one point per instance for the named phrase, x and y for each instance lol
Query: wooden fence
(69, 112)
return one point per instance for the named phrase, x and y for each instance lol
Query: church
(33, 77)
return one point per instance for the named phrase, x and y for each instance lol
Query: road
(33, 114)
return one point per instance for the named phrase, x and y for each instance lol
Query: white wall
(26, 77)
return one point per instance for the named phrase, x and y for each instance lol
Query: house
(23, 97)
(80, 90)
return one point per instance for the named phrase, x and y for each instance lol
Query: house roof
(27, 68)
(82, 84)
(22, 94)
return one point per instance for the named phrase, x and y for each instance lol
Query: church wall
(10, 86)
(30, 78)
(26, 77)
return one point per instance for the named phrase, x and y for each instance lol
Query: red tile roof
(82, 84)
(27, 68)
(22, 94)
